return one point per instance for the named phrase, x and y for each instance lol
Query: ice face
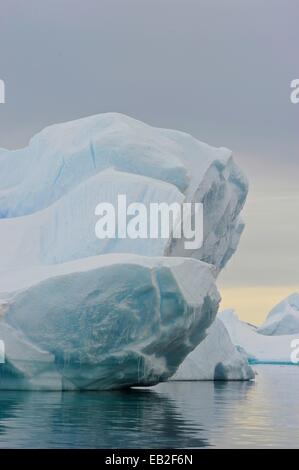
(283, 319)
(83, 319)
(109, 322)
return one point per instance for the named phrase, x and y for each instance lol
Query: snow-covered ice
(283, 319)
(90, 313)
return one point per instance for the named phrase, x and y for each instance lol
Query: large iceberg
(283, 319)
(259, 348)
(61, 321)
(106, 322)
(215, 358)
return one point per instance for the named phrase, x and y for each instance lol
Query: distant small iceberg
(283, 319)
(260, 348)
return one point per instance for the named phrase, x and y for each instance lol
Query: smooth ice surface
(259, 348)
(106, 322)
(283, 319)
(215, 358)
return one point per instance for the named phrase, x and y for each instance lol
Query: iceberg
(109, 322)
(283, 319)
(215, 358)
(77, 312)
(260, 348)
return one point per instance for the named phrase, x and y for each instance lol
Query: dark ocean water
(264, 413)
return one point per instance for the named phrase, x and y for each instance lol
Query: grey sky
(219, 69)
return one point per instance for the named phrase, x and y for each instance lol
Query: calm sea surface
(187, 414)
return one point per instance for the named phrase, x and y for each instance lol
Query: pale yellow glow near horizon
(253, 304)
